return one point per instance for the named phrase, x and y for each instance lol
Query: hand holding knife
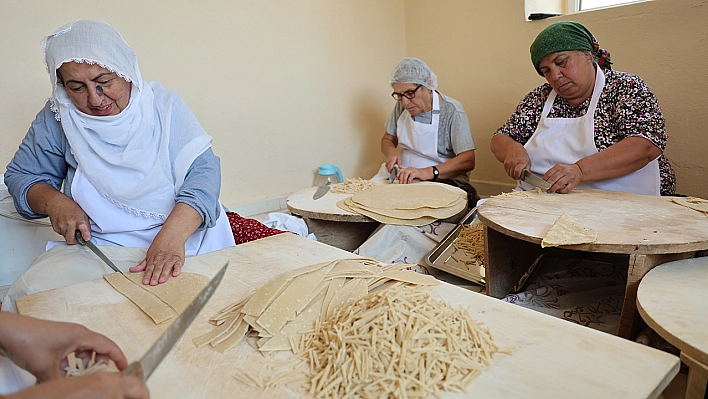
(394, 173)
(534, 180)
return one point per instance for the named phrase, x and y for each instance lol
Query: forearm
(165, 257)
(512, 154)
(388, 145)
(622, 158)
(14, 335)
(41, 195)
(462, 163)
(5, 334)
(502, 144)
(182, 222)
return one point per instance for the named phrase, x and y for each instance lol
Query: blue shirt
(45, 156)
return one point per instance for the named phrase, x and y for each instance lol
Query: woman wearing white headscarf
(136, 166)
(432, 131)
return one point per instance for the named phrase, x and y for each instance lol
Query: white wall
(286, 86)
(282, 86)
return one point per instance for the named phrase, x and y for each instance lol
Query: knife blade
(534, 180)
(97, 251)
(144, 367)
(394, 173)
(321, 191)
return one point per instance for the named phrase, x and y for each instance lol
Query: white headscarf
(137, 159)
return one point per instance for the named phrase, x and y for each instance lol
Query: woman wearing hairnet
(432, 131)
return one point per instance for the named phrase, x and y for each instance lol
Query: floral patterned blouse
(626, 107)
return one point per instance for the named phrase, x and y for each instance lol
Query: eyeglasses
(409, 94)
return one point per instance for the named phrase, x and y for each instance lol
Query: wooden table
(331, 224)
(551, 357)
(651, 230)
(673, 300)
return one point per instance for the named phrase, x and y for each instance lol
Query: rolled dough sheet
(567, 231)
(439, 213)
(386, 219)
(408, 196)
(162, 302)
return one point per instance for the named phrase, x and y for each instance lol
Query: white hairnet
(413, 70)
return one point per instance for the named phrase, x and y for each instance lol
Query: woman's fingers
(563, 178)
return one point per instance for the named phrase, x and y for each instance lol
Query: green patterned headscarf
(566, 36)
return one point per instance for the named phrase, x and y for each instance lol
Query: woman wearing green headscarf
(588, 126)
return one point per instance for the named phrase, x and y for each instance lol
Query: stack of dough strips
(471, 241)
(398, 341)
(280, 310)
(355, 185)
(356, 328)
(76, 367)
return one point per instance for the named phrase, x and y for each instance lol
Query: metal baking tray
(441, 256)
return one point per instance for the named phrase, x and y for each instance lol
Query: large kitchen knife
(144, 367)
(321, 190)
(97, 251)
(534, 180)
(394, 173)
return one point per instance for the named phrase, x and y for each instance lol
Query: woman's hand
(99, 385)
(166, 254)
(626, 156)
(407, 175)
(165, 257)
(393, 160)
(563, 178)
(64, 213)
(512, 154)
(41, 347)
(67, 217)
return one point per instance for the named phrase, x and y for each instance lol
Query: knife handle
(79, 237)
(134, 369)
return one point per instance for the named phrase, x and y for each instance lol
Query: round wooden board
(325, 208)
(626, 223)
(672, 299)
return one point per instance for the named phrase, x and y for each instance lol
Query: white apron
(567, 140)
(111, 225)
(418, 141)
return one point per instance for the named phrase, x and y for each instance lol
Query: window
(583, 5)
(540, 9)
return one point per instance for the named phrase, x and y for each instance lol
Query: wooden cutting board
(551, 358)
(626, 223)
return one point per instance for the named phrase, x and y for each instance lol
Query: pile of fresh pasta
(356, 185)
(470, 241)
(355, 328)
